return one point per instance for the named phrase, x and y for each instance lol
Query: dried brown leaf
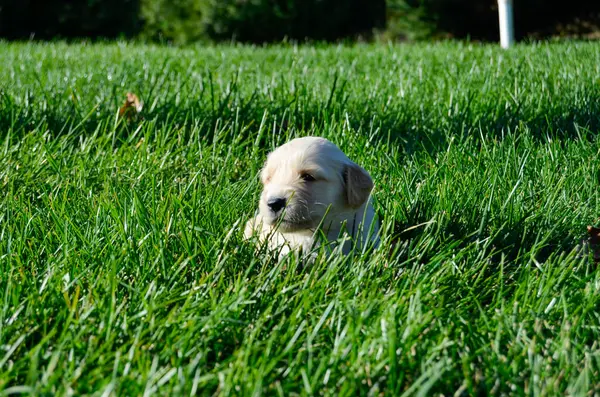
(131, 107)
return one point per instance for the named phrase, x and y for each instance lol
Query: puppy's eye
(307, 177)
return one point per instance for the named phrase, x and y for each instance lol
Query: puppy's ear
(358, 185)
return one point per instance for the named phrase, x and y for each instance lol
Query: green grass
(123, 270)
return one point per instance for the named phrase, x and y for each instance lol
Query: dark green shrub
(177, 21)
(258, 21)
(273, 20)
(409, 20)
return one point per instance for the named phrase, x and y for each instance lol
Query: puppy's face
(307, 179)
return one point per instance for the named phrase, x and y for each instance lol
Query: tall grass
(123, 271)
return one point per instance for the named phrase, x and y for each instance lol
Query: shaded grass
(122, 267)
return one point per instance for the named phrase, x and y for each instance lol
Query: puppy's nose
(276, 204)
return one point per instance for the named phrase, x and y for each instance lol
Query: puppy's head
(308, 178)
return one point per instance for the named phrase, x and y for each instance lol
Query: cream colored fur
(320, 186)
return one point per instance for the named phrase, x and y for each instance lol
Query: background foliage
(185, 21)
(420, 19)
(48, 19)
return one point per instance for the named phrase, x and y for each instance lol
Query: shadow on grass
(514, 242)
(400, 125)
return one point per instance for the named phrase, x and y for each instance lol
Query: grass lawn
(122, 264)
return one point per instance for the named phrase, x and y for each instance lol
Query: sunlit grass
(122, 267)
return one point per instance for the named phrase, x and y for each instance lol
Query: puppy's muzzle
(276, 204)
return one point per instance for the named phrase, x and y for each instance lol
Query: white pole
(507, 30)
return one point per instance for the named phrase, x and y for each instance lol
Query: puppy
(311, 189)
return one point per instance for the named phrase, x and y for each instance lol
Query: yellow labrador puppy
(310, 183)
